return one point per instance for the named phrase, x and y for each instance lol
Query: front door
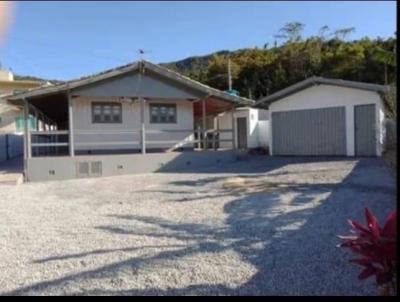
(242, 132)
(364, 126)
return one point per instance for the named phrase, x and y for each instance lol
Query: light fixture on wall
(126, 100)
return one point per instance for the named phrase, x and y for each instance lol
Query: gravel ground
(256, 227)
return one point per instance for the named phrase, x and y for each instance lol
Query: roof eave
(318, 81)
(64, 87)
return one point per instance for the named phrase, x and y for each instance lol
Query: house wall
(60, 168)
(148, 85)
(324, 96)
(7, 121)
(88, 135)
(263, 133)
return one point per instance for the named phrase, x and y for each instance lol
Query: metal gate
(364, 128)
(309, 132)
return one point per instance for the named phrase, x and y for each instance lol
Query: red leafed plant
(377, 248)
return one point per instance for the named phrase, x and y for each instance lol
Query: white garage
(326, 117)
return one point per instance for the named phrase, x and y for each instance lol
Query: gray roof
(163, 71)
(317, 81)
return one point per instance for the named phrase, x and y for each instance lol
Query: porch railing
(56, 142)
(44, 143)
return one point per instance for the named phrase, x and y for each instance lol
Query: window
(19, 123)
(163, 113)
(106, 113)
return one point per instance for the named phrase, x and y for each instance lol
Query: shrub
(377, 248)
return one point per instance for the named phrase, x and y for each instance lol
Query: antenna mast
(229, 74)
(141, 53)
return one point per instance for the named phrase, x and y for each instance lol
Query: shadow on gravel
(253, 164)
(294, 250)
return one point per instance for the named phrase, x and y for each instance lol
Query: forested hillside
(261, 71)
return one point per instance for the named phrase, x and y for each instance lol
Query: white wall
(324, 96)
(108, 133)
(263, 133)
(8, 114)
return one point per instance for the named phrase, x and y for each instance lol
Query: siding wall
(7, 123)
(82, 114)
(148, 86)
(325, 96)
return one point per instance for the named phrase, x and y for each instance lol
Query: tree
(291, 32)
(217, 72)
(322, 32)
(387, 58)
(390, 101)
(266, 70)
(341, 34)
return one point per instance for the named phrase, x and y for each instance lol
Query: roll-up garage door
(309, 132)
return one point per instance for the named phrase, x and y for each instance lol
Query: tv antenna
(141, 53)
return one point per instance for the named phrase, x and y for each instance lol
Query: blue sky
(64, 40)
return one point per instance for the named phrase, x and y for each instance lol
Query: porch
(60, 136)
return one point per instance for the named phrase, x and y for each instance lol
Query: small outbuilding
(251, 127)
(326, 117)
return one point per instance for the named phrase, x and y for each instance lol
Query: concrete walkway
(11, 171)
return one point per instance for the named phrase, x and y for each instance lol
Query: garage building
(326, 117)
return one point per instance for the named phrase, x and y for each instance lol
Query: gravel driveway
(258, 227)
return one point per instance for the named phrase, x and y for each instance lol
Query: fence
(11, 146)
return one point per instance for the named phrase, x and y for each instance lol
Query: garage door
(309, 132)
(364, 128)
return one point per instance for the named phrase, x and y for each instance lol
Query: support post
(25, 113)
(216, 133)
(198, 129)
(36, 120)
(29, 142)
(70, 126)
(143, 128)
(204, 123)
(41, 125)
(44, 122)
(26, 131)
(233, 128)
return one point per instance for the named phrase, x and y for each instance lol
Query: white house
(320, 116)
(136, 118)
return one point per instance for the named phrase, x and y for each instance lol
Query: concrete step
(11, 179)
